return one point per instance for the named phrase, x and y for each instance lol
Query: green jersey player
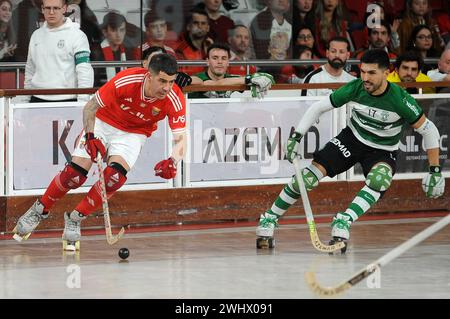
(218, 58)
(379, 111)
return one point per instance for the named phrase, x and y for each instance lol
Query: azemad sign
(236, 140)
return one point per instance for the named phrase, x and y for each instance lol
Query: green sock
(365, 199)
(286, 199)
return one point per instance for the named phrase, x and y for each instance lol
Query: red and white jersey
(124, 105)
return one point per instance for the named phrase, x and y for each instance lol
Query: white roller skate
(264, 232)
(29, 221)
(340, 230)
(72, 233)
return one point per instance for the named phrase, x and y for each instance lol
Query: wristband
(435, 169)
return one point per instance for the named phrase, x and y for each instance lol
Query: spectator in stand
(301, 71)
(338, 52)
(148, 53)
(443, 20)
(194, 42)
(219, 25)
(423, 43)
(305, 37)
(407, 69)
(112, 48)
(239, 41)
(7, 36)
(442, 72)
(330, 22)
(155, 32)
(26, 18)
(379, 38)
(58, 55)
(302, 15)
(278, 51)
(218, 57)
(375, 14)
(275, 18)
(417, 13)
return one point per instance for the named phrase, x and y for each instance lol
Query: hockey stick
(309, 215)
(371, 268)
(109, 236)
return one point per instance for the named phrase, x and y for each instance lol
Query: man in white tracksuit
(58, 55)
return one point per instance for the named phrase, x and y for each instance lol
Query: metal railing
(202, 88)
(18, 66)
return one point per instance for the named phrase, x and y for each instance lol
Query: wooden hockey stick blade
(114, 239)
(313, 284)
(310, 277)
(317, 243)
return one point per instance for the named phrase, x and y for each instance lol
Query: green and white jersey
(377, 121)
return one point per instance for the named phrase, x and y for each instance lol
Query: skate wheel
(265, 243)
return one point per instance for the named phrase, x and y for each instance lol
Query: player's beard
(372, 87)
(407, 79)
(336, 63)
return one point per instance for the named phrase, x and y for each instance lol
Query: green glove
(293, 146)
(433, 184)
(260, 83)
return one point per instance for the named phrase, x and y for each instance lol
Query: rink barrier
(183, 201)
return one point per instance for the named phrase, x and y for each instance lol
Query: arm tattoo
(89, 114)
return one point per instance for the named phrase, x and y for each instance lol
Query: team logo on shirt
(384, 116)
(155, 111)
(60, 44)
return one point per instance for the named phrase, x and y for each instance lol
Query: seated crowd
(335, 30)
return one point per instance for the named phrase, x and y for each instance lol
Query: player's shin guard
(71, 177)
(115, 177)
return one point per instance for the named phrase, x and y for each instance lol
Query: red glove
(94, 145)
(166, 168)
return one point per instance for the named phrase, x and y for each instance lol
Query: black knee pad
(78, 168)
(119, 168)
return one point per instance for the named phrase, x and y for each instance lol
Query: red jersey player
(116, 123)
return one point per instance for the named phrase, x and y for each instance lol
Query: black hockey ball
(124, 253)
